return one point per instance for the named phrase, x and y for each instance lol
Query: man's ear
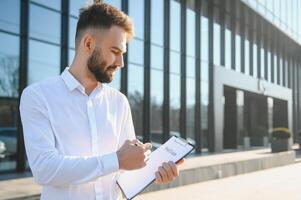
(89, 43)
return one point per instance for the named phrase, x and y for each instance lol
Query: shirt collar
(72, 83)
(69, 79)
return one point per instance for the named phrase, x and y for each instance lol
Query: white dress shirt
(71, 138)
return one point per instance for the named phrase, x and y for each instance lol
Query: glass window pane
(72, 31)
(204, 71)
(217, 44)
(157, 12)
(157, 57)
(276, 68)
(116, 83)
(190, 67)
(175, 25)
(262, 66)
(255, 60)
(269, 67)
(204, 39)
(228, 49)
(44, 61)
(9, 65)
(190, 30)
(75, 5)
(115, 3)
(49, 31)
(135, 96)
(8, 133)
(190, 109)
(237, 53)
(247, 57)
(175, 62)
(136, 51)
(175, 104)
(55, 4)
(204, 112)
(136, 12)
(156, 103)
(71, 56)
(9, 21)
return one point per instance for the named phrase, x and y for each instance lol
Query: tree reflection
(9, 76)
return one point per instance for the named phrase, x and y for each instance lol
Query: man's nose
(119, 61)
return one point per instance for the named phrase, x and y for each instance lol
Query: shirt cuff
(109, 163)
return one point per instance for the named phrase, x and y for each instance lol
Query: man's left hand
(167, 172)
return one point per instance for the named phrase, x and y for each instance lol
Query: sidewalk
(272, 184)
(195, 170)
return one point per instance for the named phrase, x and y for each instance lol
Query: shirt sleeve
(127, 127)
(48, 166)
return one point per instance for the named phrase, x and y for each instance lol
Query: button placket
(93, 128)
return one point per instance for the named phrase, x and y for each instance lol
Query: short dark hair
(103, 16)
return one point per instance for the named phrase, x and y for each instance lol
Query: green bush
(281, 133)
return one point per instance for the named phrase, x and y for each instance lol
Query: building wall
(168, 75)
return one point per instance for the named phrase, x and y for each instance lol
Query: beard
(99, 67)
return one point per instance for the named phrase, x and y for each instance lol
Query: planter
(280, 145)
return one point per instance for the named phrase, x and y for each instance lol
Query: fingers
(166, 173)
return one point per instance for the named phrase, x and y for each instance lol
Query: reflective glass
(190, 67)
(156, 103)
(136, 51)
(204, 39)
(262, 65)
(72, 31)
(115, 3)
(247, 57)
(50, 31)
(55, 4)
(175, 25)
(9, 65)
(204, 112)
(135, 96)
(157, 12)
(190, 32)
(217, 44)
(237, 53)
(269, 66)
(9, 21)
(75, 5)
(228, 49)
(175, 60)
(175, 104)
(8, 134)
(255, 60)
(136, 12)
(44, 61)
(157, 57)
(190, 109)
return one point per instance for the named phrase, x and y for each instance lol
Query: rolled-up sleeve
(48, 166)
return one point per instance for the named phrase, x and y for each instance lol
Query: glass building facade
(169, 73)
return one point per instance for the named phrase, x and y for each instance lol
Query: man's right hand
(133, 155)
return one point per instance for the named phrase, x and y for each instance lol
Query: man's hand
(133, 155)
(167, 172)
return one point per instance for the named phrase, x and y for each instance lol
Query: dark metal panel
(211, 122)
(24, 19)
(183, 70)
(233, 33)
(147, 46)
(166, 97)
(197, 121)
(124, 71)
(64, 34)
(222, 21)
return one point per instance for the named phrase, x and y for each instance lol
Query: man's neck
(83, 76)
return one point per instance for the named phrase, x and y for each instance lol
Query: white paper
(134, 181)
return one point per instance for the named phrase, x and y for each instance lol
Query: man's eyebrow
(118, 49)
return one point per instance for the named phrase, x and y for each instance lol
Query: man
(78, 132)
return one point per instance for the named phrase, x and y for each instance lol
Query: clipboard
(133, 182)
